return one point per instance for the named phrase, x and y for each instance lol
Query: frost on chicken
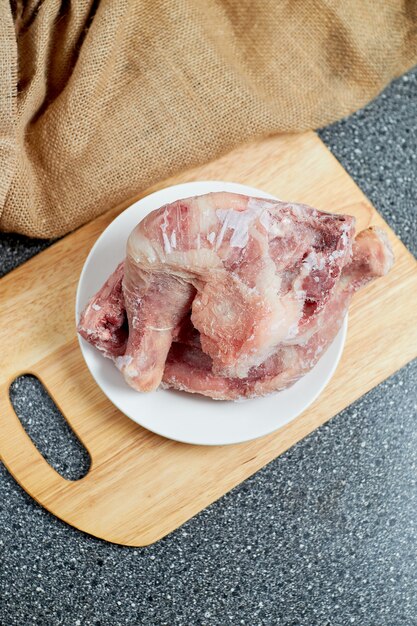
(231, 296)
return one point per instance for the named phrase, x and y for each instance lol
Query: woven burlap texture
(100, 99)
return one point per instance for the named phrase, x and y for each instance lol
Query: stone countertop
(325, 535)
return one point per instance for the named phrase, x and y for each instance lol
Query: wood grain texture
(142, 486)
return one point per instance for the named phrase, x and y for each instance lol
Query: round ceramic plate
(185, 417)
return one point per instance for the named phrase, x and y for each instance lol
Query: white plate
(178, 415)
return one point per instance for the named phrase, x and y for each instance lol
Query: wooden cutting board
(141, 486)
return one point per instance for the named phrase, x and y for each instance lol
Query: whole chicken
(231, 296)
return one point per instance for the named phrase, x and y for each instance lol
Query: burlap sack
(101, 98)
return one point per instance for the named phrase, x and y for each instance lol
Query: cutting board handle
(20, 455)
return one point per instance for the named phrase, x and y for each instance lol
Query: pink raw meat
(231, 296)
(103, 321)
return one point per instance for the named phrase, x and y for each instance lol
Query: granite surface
(325, 535)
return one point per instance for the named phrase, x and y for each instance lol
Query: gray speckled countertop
(325, 535)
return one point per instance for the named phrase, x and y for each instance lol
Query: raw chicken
(103, 322)
(230, 296)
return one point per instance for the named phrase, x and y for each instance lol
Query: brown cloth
(101, 98)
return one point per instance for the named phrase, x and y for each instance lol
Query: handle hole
(48, 428)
